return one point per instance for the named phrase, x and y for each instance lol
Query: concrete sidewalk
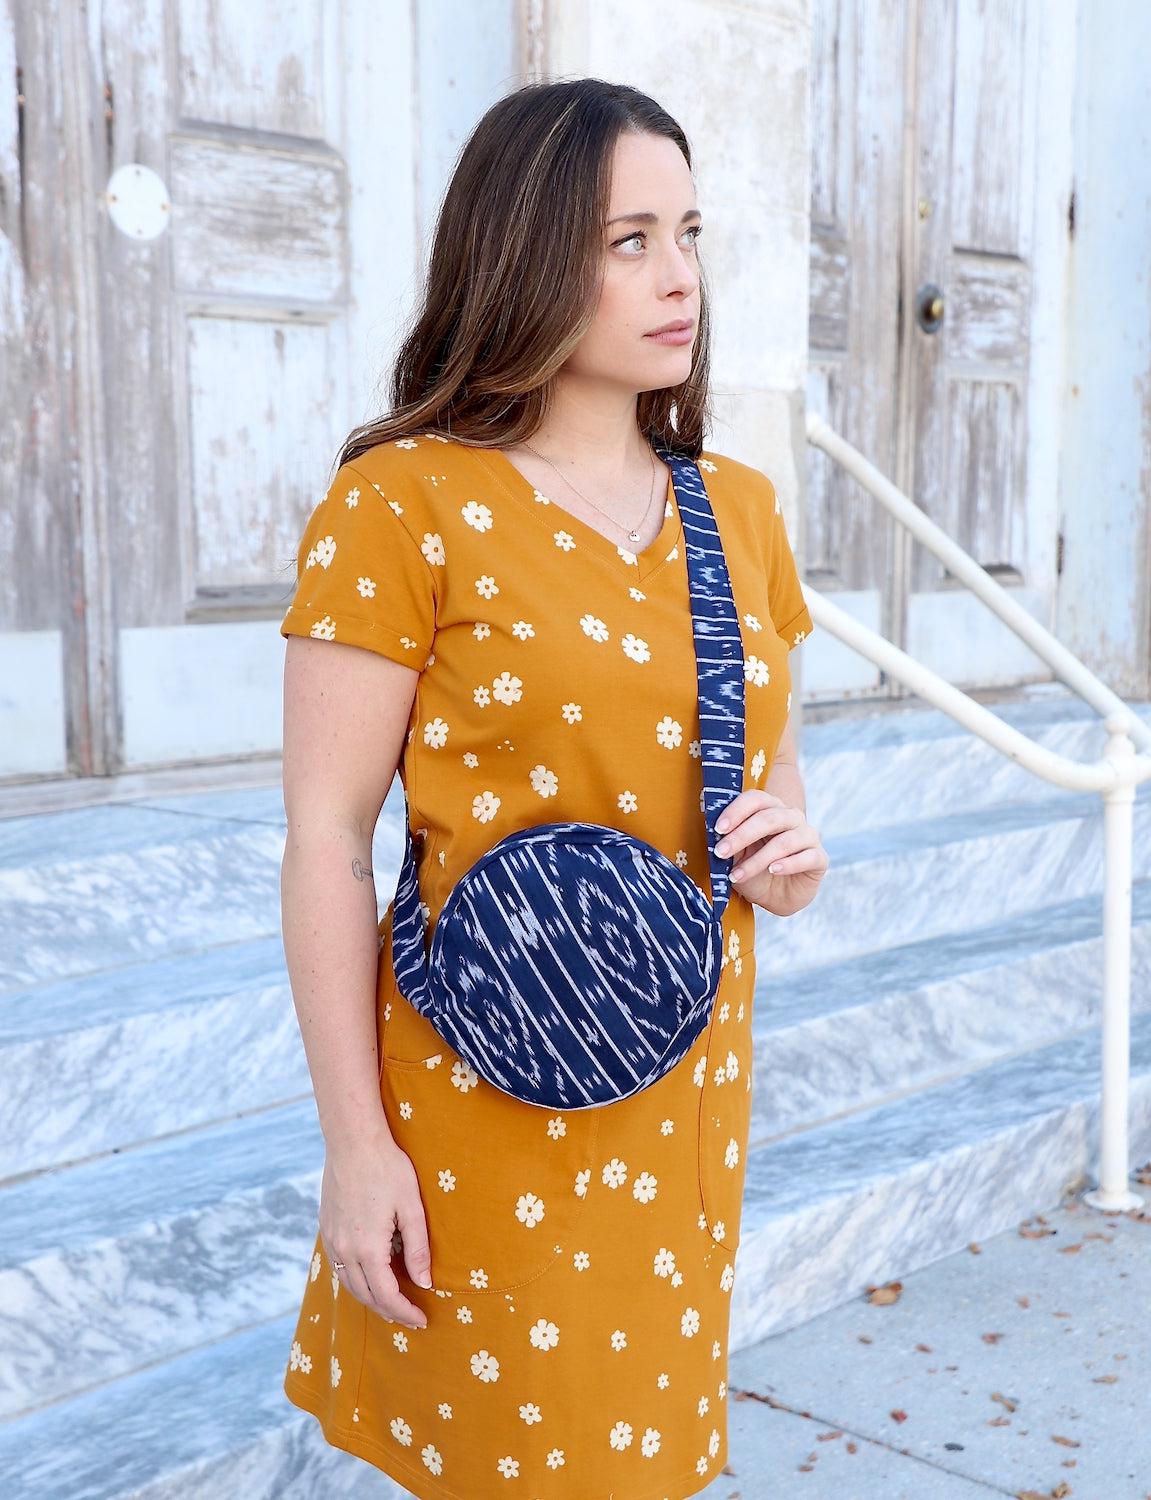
(1019, 1367)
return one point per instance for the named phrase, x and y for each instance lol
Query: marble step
(832, 1210)
(846, 1036)
(213, 1422)
(110, 1059)
(154, 1025)
(865, 768)
(130, 1258)
(944, 876)
(98, 888)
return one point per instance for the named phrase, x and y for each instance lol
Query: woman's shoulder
(741, 495)
(728, 474)
(421, 458)
(419, 476)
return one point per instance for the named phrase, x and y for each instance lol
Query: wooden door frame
(88, 630)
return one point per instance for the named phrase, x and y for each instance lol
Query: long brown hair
(515, 271)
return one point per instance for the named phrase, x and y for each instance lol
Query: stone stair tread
(939, 876)
(786, 1000)
(95, 888)
(958, 827)
(244, 804)
(822, 1162)
(888, 730)
(179, 892)
(44, 841)
(64, 1209)
(864, 769)
(117, 1439)
(135, 989)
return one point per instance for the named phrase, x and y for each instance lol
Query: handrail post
(1112, 1194)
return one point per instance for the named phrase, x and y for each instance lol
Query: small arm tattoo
(360, 871)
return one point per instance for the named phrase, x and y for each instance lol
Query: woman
(500, 1292)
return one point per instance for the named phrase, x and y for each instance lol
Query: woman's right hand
(365, 1196)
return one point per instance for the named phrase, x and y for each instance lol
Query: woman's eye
(695, 230)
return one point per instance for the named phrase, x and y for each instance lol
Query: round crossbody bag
(574, 964)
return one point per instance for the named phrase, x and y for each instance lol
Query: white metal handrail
(1115, 776)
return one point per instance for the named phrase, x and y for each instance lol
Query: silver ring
(338, 1265)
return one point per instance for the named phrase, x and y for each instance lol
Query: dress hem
(424, 1487)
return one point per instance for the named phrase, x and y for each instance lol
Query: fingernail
(424, 1280)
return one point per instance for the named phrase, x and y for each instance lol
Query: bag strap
(718, 660)
(720, 685)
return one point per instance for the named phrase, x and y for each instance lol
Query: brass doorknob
(929, 307)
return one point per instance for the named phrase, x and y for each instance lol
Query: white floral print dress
(582, 1261)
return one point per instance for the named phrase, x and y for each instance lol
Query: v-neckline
(647, 561)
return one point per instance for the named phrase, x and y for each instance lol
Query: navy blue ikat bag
(574, 964)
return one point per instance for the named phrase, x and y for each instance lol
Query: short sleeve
(361, 576)
(789, 612)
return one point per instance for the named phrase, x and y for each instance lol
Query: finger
(417, 1253)
(388, 1299)
(771, 856)
(746, 802)
(758, 825)
(353, 1278)
(793, 864)
(336, 1257)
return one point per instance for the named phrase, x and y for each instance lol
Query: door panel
(853, 371)
(931, 164)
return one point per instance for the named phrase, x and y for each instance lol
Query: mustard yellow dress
(582, 1260)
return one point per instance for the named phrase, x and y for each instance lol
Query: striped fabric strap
(720, 680)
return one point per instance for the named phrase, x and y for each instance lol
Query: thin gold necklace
(634, 534)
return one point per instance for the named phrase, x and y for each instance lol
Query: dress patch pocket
(500, 1180)
(503, 1182)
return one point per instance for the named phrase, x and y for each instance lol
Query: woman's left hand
(776, 848)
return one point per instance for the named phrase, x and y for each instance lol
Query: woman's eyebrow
(650, 218)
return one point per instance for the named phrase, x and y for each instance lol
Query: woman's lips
(673, 336)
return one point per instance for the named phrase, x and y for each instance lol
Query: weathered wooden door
(208, 226)
(941, 193)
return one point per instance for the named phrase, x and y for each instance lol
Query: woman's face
(651, 273)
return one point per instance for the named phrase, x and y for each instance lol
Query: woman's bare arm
(346, 712)
(345, 715)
